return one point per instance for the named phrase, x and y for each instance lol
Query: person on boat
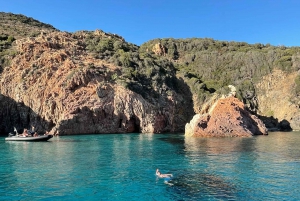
(16, 131)
(25, 133)
(35, 134)
(31, 132)
(160, 175)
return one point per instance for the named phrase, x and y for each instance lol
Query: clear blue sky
(253, 21)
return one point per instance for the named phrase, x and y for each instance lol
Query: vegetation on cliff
(142, 72)
(20, 26)
(205, 65)
(159, 68)
(208, 65)
(16, 26)
(73, 90)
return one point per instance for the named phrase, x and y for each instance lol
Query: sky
(138, 21)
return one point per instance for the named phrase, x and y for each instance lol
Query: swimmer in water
(160, 175)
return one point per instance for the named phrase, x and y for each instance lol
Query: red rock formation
(59, 87)
(227, 117)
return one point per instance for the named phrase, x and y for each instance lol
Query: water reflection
(259, 164)
(221, 163)
(146, 136)
(282, 147)
(210, 152)
(219, 145)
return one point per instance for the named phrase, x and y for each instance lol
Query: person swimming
(160, 175)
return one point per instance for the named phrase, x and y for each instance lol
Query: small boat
(29, 138)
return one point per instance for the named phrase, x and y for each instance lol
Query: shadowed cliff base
(273, 124)
(87, 121)
(15, 114)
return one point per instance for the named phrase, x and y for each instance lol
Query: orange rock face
(227, 117)
(54, 84)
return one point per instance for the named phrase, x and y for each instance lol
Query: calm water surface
(122, 167)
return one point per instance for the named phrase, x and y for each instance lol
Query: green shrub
(125, 59)
(104, 45)
(297, 87)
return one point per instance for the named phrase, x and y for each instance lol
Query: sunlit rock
(226, 117)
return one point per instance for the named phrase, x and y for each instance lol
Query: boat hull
(31, 139)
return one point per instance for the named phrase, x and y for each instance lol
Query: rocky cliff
(226, 117)
(97, 82)
(266, 77)
(54, 84)
(276, 99)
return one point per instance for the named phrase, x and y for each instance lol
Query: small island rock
(227, 117)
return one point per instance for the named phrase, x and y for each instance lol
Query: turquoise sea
(122, 167)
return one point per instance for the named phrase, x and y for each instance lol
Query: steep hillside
(20, 26)
(276, 98)
(12, 27)
(58, 83)
(209, 66)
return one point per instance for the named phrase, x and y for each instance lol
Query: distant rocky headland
(96, 82)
